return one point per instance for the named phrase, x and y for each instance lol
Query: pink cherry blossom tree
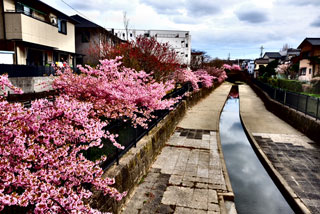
(116, 92)
(41, 165)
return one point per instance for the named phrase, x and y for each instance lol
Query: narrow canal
(255, 192)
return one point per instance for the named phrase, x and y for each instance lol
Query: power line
(74, 9)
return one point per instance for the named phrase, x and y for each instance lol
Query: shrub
(316, 85)
(290, 85)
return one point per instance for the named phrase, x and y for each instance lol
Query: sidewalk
(290, 153)
(189, 175)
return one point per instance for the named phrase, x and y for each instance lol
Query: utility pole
(229, 57)
(261, 48)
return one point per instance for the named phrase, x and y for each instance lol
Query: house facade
(180, 41)
(259, 63)
(37, 33)
(309, 60)
(89, 36)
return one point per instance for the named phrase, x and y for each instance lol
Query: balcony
(25, 28)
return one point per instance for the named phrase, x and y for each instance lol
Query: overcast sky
(219, 27)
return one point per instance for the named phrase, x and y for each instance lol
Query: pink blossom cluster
(116, 92)
(41, 164)
(233, 67)
(4, 82)
(217, 73)
(186, 75)
(283, 68)
(205, 78)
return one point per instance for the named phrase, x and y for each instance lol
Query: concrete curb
(294, 201)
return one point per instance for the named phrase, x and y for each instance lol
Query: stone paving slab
(297, 159)
(185, 178)
(294, 156)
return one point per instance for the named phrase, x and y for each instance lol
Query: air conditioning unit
(53, 20)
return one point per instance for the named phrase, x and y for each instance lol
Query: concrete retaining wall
(33, 84)
(304, 123)
(136, 162)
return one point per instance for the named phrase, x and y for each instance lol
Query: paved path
(188, 175)
(295, 157)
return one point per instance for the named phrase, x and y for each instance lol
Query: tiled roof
(261, 61)
(273, 55)
(312, 41)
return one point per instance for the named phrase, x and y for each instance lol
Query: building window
(123, 35)
(62, 26)
(130, 34)
(21, 8)
(310, 70)
(146, 35)
(85, 37)
(116, 34)
(303, 71)
(187, 45)
(186, 55)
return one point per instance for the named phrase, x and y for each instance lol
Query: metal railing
(128, 136)
(26, 70)
(300, 102)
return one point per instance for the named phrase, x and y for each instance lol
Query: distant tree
(285, 47)
(269, 70)
(216, 62)
(126, 24)
(145, 54)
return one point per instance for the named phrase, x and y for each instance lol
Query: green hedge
(290, 85)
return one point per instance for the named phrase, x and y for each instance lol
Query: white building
(180, 41)
(251, 66)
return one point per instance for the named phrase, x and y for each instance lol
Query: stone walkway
(188, 176)
(294, 156)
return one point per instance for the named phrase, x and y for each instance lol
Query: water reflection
(255, 192)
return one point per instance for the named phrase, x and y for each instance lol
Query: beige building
(309, 65)
(37, 33)
(90, 38)
(259, 63)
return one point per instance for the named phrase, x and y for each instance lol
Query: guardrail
(26, 70)
(303, 103)
(128, 136)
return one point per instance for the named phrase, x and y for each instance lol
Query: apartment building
(180, 41)
(36, 33)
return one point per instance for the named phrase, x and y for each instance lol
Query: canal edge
(229, 195)
(294, 201)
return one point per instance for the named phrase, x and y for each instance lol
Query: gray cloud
(193, 8)
(202, 8)
(167, 7)
(316, 23)
(304, 2)
(252, 16)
